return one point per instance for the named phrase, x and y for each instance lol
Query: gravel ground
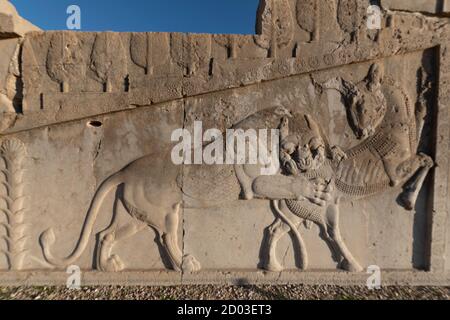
(291, 292)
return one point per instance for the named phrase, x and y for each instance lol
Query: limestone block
(94, 125)
(430, 6)
(93, 146)
(217, 201)
(11, 24)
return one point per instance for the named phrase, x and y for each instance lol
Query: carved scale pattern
(355, 177)
(361, 191)
(218, 185)
(305, 211)
(379, 143)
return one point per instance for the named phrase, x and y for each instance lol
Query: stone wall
(88, 179)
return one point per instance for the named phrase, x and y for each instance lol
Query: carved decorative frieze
(349, 124)
(16, 230)
(275, 25)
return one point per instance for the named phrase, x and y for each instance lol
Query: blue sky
(207, 16)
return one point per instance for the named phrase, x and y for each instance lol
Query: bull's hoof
(272, 266)
(408, 201)
(350, 266)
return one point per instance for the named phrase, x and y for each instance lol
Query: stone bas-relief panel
(386, 102)
(62, 70)
(447, 253)
(60, 196)
(361, 137)
(429, 6)
(139, 203)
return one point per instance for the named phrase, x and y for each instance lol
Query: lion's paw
(113, 264)
(190, 264)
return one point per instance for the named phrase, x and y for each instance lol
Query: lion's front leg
(281, 187)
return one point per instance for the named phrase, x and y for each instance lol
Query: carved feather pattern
(13, 153)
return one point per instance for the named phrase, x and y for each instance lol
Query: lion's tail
(47, 238)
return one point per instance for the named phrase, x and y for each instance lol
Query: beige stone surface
(430, 6)
(12, 27)
(11, 23)
(86, 140)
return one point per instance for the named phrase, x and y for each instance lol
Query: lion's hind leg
(111, 262)
(106, 261)
(166, 227)
(169, 237)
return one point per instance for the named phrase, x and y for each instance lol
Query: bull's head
(366, 104)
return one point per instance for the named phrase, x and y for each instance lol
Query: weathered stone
(430, 6)
(357, 119)
(11, 24)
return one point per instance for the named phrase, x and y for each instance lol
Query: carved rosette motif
(13, 153)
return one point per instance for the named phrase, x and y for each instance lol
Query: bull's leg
(272, 235)
(348, 263)
(293, 222)
(324, 234)
(412, 189)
